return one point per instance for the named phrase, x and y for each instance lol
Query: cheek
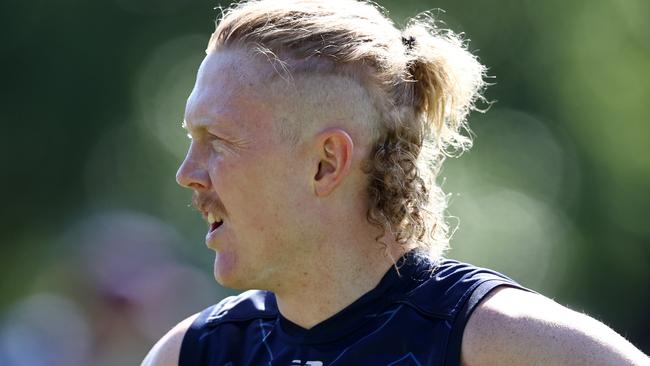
(260, 192)
(247, 192)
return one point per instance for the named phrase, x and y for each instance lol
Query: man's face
(245, 177)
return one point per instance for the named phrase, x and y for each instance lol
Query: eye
(217, 143)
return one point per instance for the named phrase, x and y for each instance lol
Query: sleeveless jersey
(414, 317)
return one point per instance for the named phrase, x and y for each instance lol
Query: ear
(334, 148)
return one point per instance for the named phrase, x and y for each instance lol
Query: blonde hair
(422, 80)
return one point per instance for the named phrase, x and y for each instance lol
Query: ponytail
(438, 86)
(446, 79)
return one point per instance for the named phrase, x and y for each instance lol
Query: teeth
(211, 219)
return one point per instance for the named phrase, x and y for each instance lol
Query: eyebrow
(198, 124)
(202, 125)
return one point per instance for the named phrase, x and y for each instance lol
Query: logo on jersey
(306, 363)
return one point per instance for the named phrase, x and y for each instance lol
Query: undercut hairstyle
(422, 82)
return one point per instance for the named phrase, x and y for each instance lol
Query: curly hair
(422, 80)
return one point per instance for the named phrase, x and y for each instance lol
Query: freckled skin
(252, 172)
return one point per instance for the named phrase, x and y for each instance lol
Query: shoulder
(515, 327)
(167, 350)
(248, 305)
(456, 287)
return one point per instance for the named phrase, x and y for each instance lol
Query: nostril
(189, 176)
(181, 177)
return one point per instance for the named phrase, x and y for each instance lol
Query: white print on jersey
(307, 363)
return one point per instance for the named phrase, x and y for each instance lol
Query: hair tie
(409, 42)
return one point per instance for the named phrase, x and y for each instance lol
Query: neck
(332, 281)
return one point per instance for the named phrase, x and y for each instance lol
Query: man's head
(271, 196)
(312, 118)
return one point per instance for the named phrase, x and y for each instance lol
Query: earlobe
(335, 148)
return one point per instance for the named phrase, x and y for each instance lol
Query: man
(317, 129)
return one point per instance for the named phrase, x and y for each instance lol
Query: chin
(228, 274)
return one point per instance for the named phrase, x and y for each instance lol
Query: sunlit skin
(237, 159)
(293, 216)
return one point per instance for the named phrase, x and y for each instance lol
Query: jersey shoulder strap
(452, 292)
(246, 306)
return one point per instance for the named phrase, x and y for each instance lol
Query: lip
(211, 236)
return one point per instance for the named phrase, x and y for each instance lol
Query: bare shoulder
(515, 327)
(167, 350)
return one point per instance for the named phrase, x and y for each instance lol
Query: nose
(192, 173)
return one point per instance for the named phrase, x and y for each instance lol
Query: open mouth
(215, 225)
(214, 222)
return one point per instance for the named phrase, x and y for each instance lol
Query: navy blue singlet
(414, 318)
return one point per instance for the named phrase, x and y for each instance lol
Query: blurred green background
(101, 252)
